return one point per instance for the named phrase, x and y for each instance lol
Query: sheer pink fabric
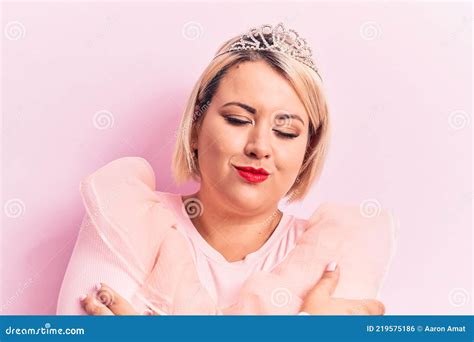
(129, 240)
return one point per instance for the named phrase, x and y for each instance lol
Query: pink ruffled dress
(142, 243)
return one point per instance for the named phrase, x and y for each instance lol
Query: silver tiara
(276, 38)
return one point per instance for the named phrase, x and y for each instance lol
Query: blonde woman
(255, 131)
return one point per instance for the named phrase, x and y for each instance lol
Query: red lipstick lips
(251, 174)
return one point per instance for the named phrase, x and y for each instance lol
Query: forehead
(256, 83)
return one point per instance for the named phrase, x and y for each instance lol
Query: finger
(93, 307)
(357, 307)
(112, 300)
(375, 307)
(150, 312)
(328, 281)
(367, 307)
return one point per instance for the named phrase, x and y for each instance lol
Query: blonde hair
(307, 84)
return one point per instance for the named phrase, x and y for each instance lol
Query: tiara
(277, 38)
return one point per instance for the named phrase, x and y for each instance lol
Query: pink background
(398, 79)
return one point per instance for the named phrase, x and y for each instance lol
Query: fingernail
(98, 286)
(331, 266)
(81, 298)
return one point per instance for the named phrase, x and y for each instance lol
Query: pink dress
(223, 279)
(142, 243)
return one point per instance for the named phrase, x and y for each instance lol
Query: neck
(234, 234)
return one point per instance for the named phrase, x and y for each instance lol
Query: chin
(246, 199)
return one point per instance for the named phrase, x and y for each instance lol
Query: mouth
(251, 174)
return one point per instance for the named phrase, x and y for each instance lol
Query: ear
(195, 135)
(194, 146)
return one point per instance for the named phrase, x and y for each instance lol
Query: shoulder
(361, 240)
(123, 205)
(123, 168)
(117, 181)
(131, 170)
(359, 231)
(353, 219)
(362, 237)
(348, 218)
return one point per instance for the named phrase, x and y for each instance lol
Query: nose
(258, 143)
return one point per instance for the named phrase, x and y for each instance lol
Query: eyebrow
(249, 109)
(252, 110)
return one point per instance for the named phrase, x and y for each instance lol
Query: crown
(277, 38)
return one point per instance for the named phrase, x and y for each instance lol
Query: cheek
(288, 160)
(289, 157)
(216, 146)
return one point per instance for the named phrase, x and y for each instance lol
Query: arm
(93, 262)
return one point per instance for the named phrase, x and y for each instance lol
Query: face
(255, 119)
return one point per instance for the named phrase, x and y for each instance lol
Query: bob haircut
(307, 84)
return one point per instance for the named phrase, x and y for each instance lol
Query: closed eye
(286, 135)
(236, 122)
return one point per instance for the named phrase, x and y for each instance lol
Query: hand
(318, 301)
(106, 302)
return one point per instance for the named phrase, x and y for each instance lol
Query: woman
(255, 131)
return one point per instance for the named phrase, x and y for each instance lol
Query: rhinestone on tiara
(276, 38)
